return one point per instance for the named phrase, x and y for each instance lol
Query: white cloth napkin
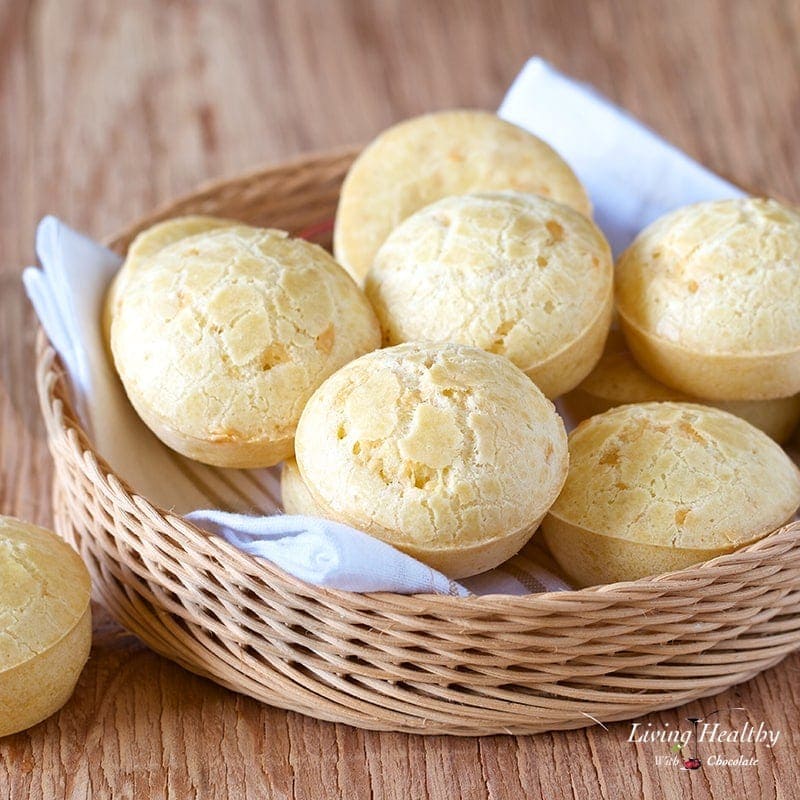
(326, 553)
(632, 177)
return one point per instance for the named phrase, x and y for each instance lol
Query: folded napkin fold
(632, 176)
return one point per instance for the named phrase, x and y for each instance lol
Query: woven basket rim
(213, 185)
(60, 416)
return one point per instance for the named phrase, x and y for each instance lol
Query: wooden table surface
(109, 108)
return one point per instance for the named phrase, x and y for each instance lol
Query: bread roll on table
(45, 623)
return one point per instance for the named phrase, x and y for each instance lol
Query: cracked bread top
(431, 445)
(148, 243)
(717, 277)
(44, 591)
(515, 274)
(225, 334)
(676, 475)
(167, 232)
(426, 158)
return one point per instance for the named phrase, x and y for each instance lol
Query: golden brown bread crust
(515, 274)
(444, 451)
(707, 299)
(618, 380)
(424, 159)
(295, 497)
(147, 244)
(45, 623)
(224, 335)
(669, 476)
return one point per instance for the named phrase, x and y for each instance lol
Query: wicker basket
(424, 663)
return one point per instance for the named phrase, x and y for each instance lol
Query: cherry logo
(688, 762)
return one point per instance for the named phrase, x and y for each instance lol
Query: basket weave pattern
(427, 664)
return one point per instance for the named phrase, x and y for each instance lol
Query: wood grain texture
(110, 108)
